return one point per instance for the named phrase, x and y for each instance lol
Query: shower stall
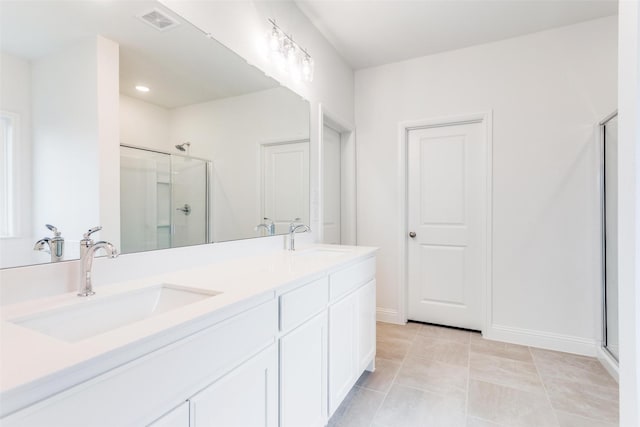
(609, 204)
(164, 199)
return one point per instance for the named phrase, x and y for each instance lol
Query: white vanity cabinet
(247, 396)
(177, 417)
(351, 328)
(303, 355)
(141, 390)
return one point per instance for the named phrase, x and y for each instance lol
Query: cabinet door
(178, 417)
(343, 349)
(246, 397)
(303, 375)
(366, 324)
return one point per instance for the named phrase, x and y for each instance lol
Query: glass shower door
(190, 201)
(610, 246)
(145, 200)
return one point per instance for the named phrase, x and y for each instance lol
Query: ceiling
(375, 32)
(180, 65)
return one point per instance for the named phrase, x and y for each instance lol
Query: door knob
(412, 234)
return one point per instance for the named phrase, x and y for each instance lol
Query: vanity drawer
(303, 303)
(344, 281)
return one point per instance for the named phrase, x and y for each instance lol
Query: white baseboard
(388, 315)
(547, 340)
(609, 363)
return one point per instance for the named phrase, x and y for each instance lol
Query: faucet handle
(91, 231)
(53, 228)
(293, 223)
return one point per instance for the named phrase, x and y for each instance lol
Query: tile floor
(432, 376)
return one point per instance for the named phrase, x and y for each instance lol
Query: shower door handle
(186, 209)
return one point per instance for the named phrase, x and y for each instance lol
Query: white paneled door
(447, 218)
(332, 185)
(285, 183)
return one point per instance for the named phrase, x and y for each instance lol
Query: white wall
(65, 140)
(15, 87)
(143, 124)
(108, 89)
(75, 141)
(628, 210)
(547, 91)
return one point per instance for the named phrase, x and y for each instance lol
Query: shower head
(182, 146)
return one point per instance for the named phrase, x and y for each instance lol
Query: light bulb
(274, 40)
(290, 51)
(294, 71)
(307, 68)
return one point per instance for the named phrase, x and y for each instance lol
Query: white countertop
(34, 365)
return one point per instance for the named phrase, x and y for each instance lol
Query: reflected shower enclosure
(164, 200)
(609, 203)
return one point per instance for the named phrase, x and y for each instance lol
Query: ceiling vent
(158, 20)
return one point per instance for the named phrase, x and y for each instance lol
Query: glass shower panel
(610, 150)
(145, 200)
(190, 201)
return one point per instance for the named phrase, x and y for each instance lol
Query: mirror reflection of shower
(184, 147)
(164, 199)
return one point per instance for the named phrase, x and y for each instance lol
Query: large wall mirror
(122, 114)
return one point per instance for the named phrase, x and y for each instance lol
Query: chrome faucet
(292, 234)
(88, 249)
(53, 245)
(268, 225)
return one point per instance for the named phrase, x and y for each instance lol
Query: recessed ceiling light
(141, 88)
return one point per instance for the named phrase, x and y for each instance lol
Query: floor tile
(441, 350)
(500, 349)
(507, 372)
(381, 379)
(357, 409)
(586, 370)
(477, 422)
(409, 407)
(506, 405)
(600, 403)
(431, 375)
(390, 330)
(570, 420)
(440, 332)
(428, 375)
(394, 349)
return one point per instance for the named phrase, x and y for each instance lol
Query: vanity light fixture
(284, 49)
(141, 88)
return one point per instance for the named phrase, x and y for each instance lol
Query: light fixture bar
(290, 38)
(283, 46)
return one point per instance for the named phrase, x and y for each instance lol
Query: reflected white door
(332, 185)
(447, 192)
(285, 186)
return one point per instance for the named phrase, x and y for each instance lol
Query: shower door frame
(207, 193)
(603, 228)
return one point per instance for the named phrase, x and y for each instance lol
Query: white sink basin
(93, 316)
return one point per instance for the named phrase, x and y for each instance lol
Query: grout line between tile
(466, 400)
(393, 381)
(544, 386)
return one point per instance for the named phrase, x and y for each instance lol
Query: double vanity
(272, 340)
